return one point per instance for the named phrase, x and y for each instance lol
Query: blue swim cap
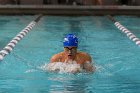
(70, 40)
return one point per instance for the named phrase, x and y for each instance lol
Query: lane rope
(9, 47)
(124, 30)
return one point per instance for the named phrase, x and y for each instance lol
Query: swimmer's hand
(88, 67)
(75, 70)
(63, 67)
(52, 67)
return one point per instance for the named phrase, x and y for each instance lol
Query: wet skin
(70, 52)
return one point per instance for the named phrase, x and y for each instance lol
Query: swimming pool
(116, 57)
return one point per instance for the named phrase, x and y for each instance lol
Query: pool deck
(68, 10)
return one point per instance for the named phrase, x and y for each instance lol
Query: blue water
(115, 56)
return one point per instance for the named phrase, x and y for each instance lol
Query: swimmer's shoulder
(56, 57)
(85, 55)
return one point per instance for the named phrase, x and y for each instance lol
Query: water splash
(62, 67)
(30, 70)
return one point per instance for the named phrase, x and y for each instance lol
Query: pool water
(115, 56)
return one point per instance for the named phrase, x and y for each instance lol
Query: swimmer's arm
(54, 58)
(88, 66)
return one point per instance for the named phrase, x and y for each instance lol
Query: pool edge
(68, 10)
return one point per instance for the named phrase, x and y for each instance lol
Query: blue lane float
(9, 47)
(124, 30)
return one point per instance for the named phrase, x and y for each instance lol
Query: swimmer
(70, 55)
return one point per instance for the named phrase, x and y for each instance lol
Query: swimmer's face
(70, 51)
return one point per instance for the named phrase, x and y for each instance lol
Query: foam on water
(62, 67)
(30, 70)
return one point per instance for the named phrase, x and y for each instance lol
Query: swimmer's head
(70, 40)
